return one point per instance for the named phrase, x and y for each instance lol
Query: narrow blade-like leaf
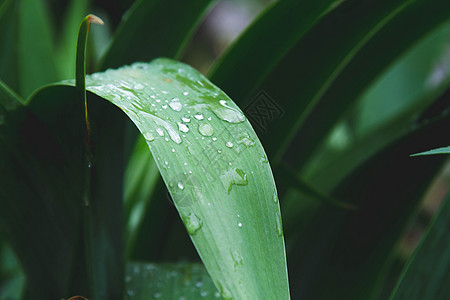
(427, 273)
(153, 28)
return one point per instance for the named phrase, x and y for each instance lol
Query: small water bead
(138, 86)
(279, 224)
(214, 139)
(192, 222)
(166, 162)
(247, 142)
(206, 129)
(199, 116)
(227, 113)
(175, 104)
(209, 119)
(182, 127)
(158, 100)
(237, 258)
(199, 284)
(239, 224)
(204, 293)
(148, 136)
(185, 93)
(164, 106)
(166, 139)
(180, 185)
(173, 150)
(185, 120)
(160, 131)
(219, 151)
(275, 197)
(164, 92)
(153, 96)
(229, 144)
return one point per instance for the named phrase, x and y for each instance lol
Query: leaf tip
(94, 19)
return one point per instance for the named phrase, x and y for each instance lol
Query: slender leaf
(215, 169)
(396, 21)
(103, 184)
(35, 46)
(141, 178)
(153, 28)
(352, 248)
(66, 51)
(292, 18)
(169, 281)
(443, 150)
(427, 273)
(9, 11)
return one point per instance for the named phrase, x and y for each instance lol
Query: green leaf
(291, 18)
(443, 150)
(9, 11)
(153, 28)
(40, 190)
(215, 169)
(66, 50)
(141, 178)
(313, 88)
(353, 247)
(35, 46)
(103, 192)
(427, 272)
(168, 281)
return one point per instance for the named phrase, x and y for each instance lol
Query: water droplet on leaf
(206, 129)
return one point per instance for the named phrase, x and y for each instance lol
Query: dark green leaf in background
(427, 273)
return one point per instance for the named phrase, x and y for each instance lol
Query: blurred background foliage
(361, 159)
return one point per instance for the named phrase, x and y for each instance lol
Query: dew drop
(206, 129)
(227, 113)
(247, 142)
(164, 106)
(160, 131)
(185, 93)
(279, 224)
(173, 150)
(148, 136)
(237, 257)
(164, 92)
(275, 197)
(138, 86)
(182, 127)
(233, 176)
(239, 224)
(264, 159)
(181, 186)
(229, 144)
(193, 223)
(199, 116)
(175, 104)
(185, 120)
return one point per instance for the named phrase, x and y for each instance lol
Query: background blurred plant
(341, 93)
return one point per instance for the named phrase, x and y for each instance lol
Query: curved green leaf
(426, 275)
(168, 281)
(215, 169)
(153, 28)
